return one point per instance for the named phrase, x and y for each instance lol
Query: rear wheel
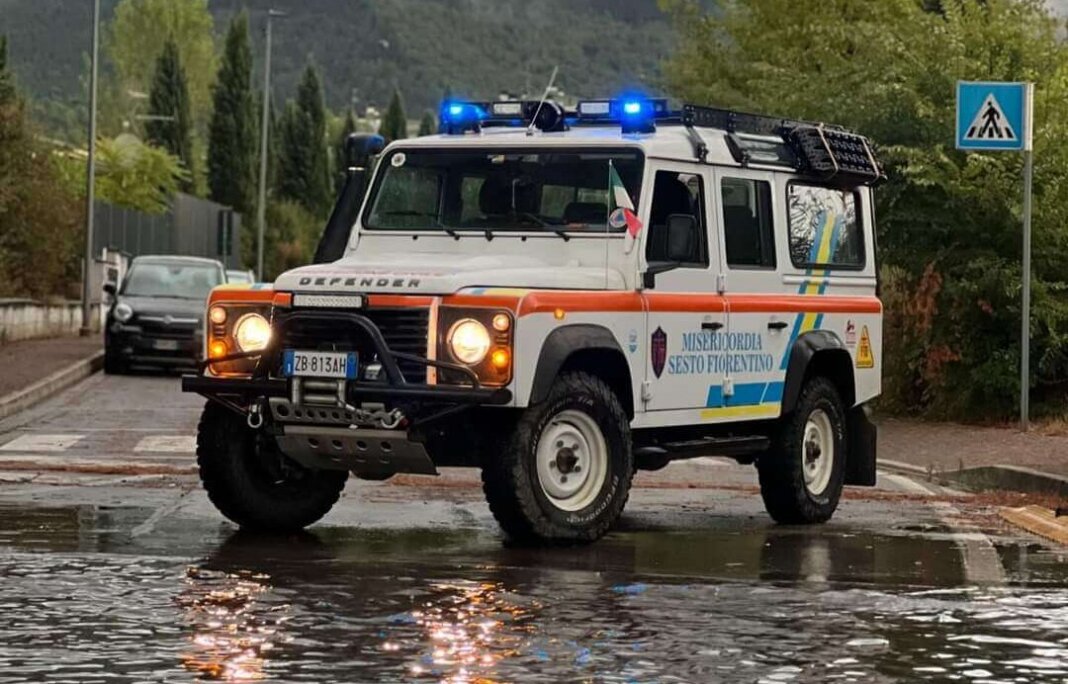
(564, 473)
(801, 477)
(255, 485)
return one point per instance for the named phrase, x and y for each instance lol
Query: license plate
(319, 364)
(166, 345)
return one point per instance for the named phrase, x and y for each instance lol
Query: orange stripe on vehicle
(244, 295)
(803, 304)
(283, 299)
(399, 300)
(668, 302)
(544, 302)
(485, 301)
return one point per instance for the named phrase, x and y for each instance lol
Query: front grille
(157, 327)
(404, 330)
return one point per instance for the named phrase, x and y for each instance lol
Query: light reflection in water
(231, 632)
(467, 629)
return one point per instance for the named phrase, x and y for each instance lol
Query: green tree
(7, 81)
(169, 103)
(948, 221)
(394, 124)
(130, 174)
(341, 154)
(303, 161)
(232, 133)
(132, 41)
(428, 125)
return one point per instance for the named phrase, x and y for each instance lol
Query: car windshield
(238, 277)
(161, 279)
(498, 189)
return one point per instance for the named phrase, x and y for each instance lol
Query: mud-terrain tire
(252, 483)
(563, 472)
(798, 483)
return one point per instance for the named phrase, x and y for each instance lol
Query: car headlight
(123, 312)
(252, 332)
(469, 341)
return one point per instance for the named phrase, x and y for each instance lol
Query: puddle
(85, 600)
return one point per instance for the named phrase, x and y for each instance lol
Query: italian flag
(622, 209)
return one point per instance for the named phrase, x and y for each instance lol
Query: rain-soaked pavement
(140, 581)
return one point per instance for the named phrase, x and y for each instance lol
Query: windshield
(238, 277)
(185, 281)
(488, 189)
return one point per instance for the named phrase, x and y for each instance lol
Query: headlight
(469, 341)
(123, 312)
(252, 332)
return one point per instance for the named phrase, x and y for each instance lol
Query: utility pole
(90, 174)
(261, 209)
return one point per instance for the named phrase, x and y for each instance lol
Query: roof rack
(831, 153)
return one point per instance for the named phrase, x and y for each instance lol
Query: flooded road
(88, 596)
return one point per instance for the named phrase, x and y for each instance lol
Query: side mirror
(110, 289)
(360, 147)
(682, 237)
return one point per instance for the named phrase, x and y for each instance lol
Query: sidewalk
(29, 361)
(949, 447)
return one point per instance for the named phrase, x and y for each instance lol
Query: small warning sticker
(990, 123)
(865, 357)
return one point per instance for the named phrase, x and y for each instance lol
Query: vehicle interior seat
(670, 196)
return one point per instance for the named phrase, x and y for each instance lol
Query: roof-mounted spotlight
(460, 117)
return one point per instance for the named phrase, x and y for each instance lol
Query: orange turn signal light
(500, 359)
(559, 314)
(217, 349)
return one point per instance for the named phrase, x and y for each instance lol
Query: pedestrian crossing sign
(993, 116)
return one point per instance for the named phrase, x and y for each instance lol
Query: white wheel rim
(817, 452)
(572, 460)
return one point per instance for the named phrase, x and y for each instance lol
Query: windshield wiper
(436, 221)
(545, 224)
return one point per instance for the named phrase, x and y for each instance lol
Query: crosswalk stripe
(42, 443)
(175, 444)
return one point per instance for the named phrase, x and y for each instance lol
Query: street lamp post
(90, 174)
(261, 209)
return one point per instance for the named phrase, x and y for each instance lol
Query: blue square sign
(993, 116)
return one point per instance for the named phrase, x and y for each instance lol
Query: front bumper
(134, 346)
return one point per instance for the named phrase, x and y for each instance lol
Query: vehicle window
(489, 189)
(825, 230)
(749, 238)
(181, 281)
(676, 193)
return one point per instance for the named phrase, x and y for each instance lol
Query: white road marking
(176, 444)
(982, 565)
(41, 443)
(711, 461)
(906, 484)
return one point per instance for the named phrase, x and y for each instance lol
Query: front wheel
(564, 473)
(801, 477)
(255, 485)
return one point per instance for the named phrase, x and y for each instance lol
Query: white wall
(24, 319)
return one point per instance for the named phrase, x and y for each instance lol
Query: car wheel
(114, 364)
(252, 483)
(801, 477)
(565, 469)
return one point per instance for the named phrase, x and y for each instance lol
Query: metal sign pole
(1025, 307)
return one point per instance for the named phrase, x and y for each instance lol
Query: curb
(95, 467)
(986, 478)
(58, 381)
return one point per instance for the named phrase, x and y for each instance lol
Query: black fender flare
(804, 350)
(562, 343)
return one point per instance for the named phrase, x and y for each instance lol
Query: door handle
(777, 325)
(711, 325)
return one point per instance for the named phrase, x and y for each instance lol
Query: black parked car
(157, 315)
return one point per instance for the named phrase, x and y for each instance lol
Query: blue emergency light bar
(633, 114)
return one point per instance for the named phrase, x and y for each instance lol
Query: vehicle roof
(171, 258)
(670, 141)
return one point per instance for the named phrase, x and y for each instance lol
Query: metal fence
(191, 227)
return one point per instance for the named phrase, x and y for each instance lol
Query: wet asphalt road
(134, 577)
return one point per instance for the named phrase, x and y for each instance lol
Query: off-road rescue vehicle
(560, 297)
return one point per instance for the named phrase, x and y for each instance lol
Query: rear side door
(749, 207)
(686, 317)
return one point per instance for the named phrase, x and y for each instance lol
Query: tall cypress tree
(394, 124)
(7, 82)
(303, 162)
(169, 98)
(428, 125)
(232, 133)
(341, 153)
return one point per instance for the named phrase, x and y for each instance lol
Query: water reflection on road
(87, 602)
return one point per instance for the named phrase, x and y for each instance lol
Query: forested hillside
(366, 48)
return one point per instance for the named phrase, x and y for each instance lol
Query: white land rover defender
(560, 298)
